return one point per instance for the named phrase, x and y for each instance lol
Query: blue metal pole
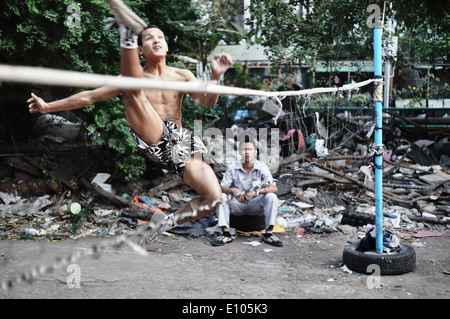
(378, 146)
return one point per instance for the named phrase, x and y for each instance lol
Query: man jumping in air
(154, 117)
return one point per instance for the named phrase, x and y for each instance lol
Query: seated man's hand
(239, 194)
(248, 197)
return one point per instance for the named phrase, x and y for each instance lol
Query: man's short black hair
(150, 26)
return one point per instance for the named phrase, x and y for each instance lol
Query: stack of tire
(357, 219)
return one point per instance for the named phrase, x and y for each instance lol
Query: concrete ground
(307, 267)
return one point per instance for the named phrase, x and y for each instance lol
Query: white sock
(169, 223)
(128, 39)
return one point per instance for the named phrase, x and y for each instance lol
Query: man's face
(153, 43)
(290, 79)
(248, 152)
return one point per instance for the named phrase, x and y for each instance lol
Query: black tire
(356, 219)
(390, 264)
(248, 223)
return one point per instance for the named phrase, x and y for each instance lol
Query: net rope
(52, 77)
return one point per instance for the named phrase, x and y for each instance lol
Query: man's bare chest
(164, 98)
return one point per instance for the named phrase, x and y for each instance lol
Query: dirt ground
(306, 267)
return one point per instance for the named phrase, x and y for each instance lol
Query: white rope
(45, 76)
(378, 93)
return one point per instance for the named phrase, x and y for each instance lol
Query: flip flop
(222, 240)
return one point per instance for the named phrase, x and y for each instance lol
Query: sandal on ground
(222, 240)
(271, 239)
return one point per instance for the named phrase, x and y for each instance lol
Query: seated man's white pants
(266, 204)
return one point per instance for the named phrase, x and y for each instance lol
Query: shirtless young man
(155, 116)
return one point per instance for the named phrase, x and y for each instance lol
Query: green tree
(218, 23)
(39, 33)
(423, 29)
(297, 32)
(305, 31)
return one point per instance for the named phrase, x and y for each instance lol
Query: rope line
(46, 76)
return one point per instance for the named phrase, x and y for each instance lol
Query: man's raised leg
(140, 114)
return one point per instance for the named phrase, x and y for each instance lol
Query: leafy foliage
(40, 33)
(324, 30)
(304, 31)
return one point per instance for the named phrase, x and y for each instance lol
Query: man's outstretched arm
(76, 101)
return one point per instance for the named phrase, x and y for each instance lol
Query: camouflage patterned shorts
(175, 148)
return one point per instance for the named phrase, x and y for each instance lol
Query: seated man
(239, 178)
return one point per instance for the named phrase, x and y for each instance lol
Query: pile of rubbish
(319, 192)
(311, 209)
(41, 217)
(337, 193)
(327, 213)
